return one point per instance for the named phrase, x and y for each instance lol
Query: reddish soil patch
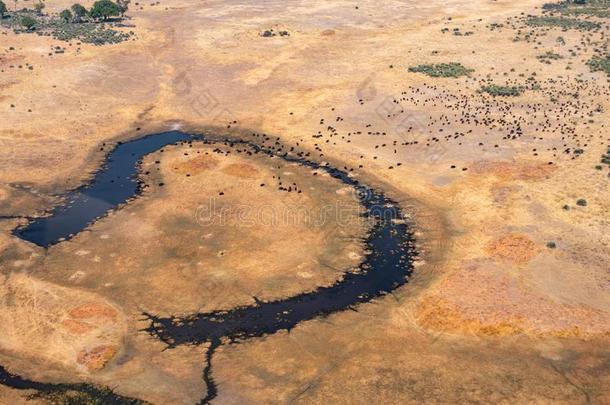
(242, 170)
(514, 171)
(77, 327)
(96, 358)
(92, 310)
(197, 165)
(516, 248)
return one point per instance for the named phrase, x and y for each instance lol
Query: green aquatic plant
(452, 69)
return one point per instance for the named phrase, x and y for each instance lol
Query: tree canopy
(78, 11)
(104, 9)
(3, 9)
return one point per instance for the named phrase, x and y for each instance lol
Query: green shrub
(561, 22)
(504, 91)
(452, 69)
(600, 64)
(3, 9)
(28, 22)
(606, 158)
(548, 57)
(79, 12)
(88, 32)
(595, 8)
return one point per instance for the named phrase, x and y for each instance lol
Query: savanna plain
(485, 121)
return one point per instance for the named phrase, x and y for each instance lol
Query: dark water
(113, 185)
(387, 265)
(66, 393)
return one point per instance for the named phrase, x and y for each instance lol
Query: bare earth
(510, 298)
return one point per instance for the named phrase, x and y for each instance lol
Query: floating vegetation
(600, 64)
(452, 69)
(562, 22)
(503, 91)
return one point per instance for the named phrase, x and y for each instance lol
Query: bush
(581, 202)
(66, 15)
(600, 64)
(28, 22)
(594, 8)
(104, 9)
(504, 91)
(606, 158)
(548, 57)
(3, 9)
(561, 22)
(452, 69)
(79, 12)
(89, 33)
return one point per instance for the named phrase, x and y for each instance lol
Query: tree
(79, 12)
(39, 7)
(66, 15)
(123, 6)
(28, 22)
(104, 9)
(3, 9)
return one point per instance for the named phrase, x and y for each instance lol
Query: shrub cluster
(503, 91)
(600, 64)
(452, 69)
(548, 56)
(74, 23)
(562, 22)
